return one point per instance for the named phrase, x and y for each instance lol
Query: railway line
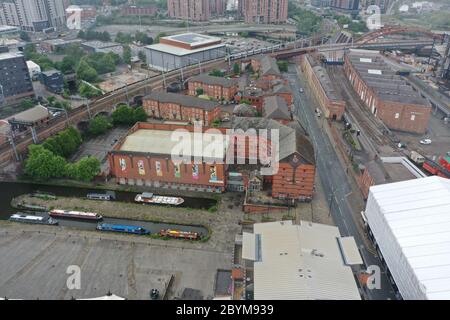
(108, 101)
(373, 131)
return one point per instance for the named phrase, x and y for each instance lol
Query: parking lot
(98, 147)
(34, 265)
(438, 133)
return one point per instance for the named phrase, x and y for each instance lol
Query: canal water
(9, 190)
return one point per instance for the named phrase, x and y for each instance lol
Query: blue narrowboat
(122, 228)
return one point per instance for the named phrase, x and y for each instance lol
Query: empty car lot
(34, 265)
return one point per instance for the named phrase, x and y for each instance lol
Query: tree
(236, 68)
(159, 36)
(86, 72)
(85, 169)
(140, 115)
(99, 125)
(127, 54)
(24, 36)
(43, 164)
(282, 65)
(123, 115)
(199, 91)
(88, 91)
(142, 56)
(65, 143)
(27, 103)
(217, 73)
(143, 38)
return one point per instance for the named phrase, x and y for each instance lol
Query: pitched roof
(221, 81)
(269, 65)
(275, 107)
(32, 115)
(187, 101)
(291, 140)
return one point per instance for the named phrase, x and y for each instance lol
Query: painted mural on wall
(195, 171)
(122, 164)
(158, 169)
(141, 168)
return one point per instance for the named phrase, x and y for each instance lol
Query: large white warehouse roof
(411, 224)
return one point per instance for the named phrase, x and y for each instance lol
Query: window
(397, 115)
(413, 117)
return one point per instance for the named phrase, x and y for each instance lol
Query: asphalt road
(335, 183)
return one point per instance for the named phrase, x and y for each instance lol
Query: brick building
(193, 10)
(294, 178)
(264, 11)
(144, 157)
(276, 108)
(330, 101)
(178, 107)
(216, 87)
(267, 67)
(345, 5)
(387, 95)
(139, 11)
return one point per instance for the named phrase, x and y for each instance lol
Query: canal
(9, 190)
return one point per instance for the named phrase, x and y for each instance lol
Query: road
(335, 183)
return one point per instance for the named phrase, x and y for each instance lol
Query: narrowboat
(31, 207)
(75, 214)
(179, 234)
(122, 228)
(99, 196)
(24, 218)
(43, 195)
(150, 198)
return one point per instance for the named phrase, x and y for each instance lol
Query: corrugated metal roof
(301, 262)
(416, 214)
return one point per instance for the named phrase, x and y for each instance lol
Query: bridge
(388, 30)
(106, 103)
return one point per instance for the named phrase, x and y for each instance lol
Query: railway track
(103, 103)
(375, 132)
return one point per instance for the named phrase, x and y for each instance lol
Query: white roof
(373, 71)
(32, 65)
(207, 145)
(299, 262)
(418, 215)
(180, 51)
(193, 39)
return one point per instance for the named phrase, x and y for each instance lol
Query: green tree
(27, 103)
(236, 69)
(199, 91)
(282, 65)
(86, 72)
(142, 56)
(159, 36)
(123, 115)
(127, 54)
(85, 169)
(99, 125)
(24, 36)
(88, 91)
(217, 73)
(139, 115)
(42, 164)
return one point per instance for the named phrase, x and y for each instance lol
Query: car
(425, 141)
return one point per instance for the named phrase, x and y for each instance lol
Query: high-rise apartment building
(217, 7)
(34, 15)
(265, 11)
(345, 5)
(15, 81)
(194, 10)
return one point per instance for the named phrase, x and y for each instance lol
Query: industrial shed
(410, 223)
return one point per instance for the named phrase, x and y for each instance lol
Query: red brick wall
(365, 182)
(330, 108)
(395, 115)
(284, 185)
(171, 111)
(215, 91)
(166, 172)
